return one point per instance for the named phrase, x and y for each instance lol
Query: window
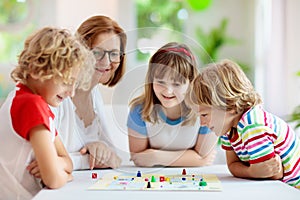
(16, 23)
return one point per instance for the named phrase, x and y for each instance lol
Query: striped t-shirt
(261, 135)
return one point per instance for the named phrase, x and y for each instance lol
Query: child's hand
(267, 169)
(209, 159)
(145, 159)
(33, 169)
(70, 177)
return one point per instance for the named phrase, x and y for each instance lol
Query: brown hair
(99, 24)
(178, 61)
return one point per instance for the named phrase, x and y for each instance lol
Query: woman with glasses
(80, 119)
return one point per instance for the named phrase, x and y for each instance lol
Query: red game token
(94, 175)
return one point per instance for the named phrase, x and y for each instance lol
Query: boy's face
(217, 120)
(55, 90)
(169, 92)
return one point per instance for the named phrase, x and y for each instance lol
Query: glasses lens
(114, 56)
(98, 53)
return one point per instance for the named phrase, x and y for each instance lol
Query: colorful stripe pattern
(260, 136)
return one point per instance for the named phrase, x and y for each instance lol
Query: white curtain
(274, 73)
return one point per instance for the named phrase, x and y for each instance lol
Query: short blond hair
(52, 52)
(224, 85)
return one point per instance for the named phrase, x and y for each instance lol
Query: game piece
(172, 182)
(202, 183)
(183, 172)
(193, 177)
(94, 175)
(153, 179)
(139, 174)
(161, 179)
(148, 185)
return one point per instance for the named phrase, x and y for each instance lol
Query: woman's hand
(101, 155)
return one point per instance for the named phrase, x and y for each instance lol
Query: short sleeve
(258, 143)
(225, 143)
(29, 111)
(204, 130)
(135, 121)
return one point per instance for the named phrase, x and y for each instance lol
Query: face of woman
(106, 49)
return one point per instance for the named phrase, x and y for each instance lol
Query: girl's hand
(209, 159)
(146, 158)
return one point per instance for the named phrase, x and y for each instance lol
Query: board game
(158, 182)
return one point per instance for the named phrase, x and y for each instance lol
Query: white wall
(292, 54)
(71, 13)
(277, 83)
(240, 26)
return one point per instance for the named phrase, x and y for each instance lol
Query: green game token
(202, 183)
(153, 179)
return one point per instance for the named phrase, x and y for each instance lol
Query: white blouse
(73, 132)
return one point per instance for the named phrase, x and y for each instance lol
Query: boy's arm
(269, 169)
(55, 167)
(63, 155)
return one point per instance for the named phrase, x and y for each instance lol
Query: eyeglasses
(114, 55)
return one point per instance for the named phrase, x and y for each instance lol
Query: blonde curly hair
(53, 52)
(224, 85)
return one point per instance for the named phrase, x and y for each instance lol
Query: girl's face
(54, 90)
(106, 49)
(217, 120)
(169, 92)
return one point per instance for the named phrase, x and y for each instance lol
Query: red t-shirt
(29, 110)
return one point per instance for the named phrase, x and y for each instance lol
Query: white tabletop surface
(232, 188)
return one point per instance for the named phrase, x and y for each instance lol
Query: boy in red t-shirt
(47, 72)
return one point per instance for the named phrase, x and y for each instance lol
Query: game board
(158, 182)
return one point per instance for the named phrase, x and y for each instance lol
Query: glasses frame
(109, 54)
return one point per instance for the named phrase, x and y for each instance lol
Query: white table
(232, 188)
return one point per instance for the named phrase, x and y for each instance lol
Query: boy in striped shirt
(258, 144)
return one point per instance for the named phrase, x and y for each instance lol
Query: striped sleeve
(225, 143)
